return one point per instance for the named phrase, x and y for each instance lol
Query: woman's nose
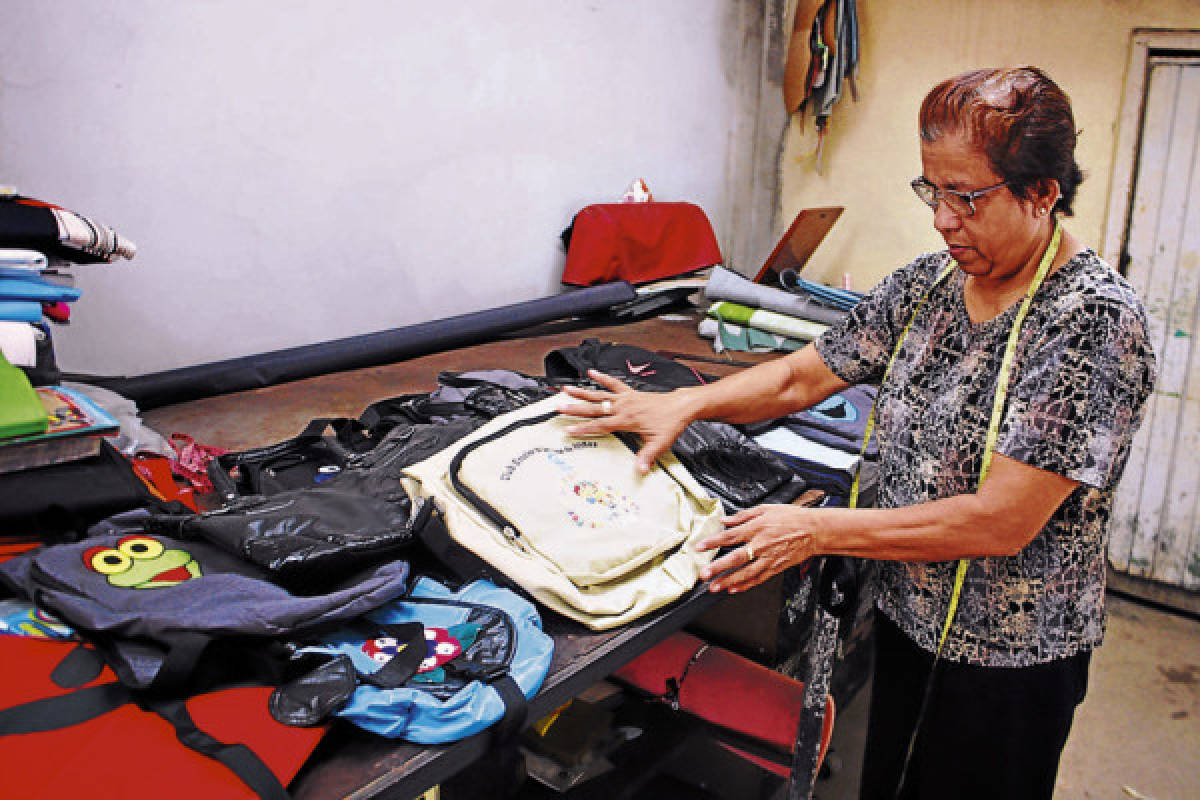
(945, 219)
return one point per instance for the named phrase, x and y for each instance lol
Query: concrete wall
(301, 171)
(872, 150)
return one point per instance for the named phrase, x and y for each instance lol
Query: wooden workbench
(351, 762)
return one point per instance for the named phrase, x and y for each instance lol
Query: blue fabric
(20, 310)
(33, 287)
(416, 714)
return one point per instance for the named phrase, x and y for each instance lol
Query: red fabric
(130, 753)
(58, 312)
(726, 689)
(158, 473)
(191, 462)
(639, 243)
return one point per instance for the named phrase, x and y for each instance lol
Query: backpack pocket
(579, 503)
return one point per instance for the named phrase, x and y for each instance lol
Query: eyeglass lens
(930, 195)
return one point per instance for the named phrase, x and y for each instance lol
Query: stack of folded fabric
(39, 243)
(823, 444)
(752, 317)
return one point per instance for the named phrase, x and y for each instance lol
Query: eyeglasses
(961, 203)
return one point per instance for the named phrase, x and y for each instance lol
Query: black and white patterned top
(1082, 371)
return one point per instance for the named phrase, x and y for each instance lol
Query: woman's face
(1005, 234)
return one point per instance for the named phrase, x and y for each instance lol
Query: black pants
(989, 732)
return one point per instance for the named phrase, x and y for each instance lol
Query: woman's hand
(657, 417)
(771, 538)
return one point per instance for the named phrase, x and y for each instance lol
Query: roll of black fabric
(279, 366)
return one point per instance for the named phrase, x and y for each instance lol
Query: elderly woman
(1013, 369)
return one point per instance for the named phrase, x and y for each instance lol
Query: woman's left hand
(765, 539)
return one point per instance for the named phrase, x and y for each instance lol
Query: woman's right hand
(656, 417)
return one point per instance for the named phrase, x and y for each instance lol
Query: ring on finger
(606, 407)
(749, 548)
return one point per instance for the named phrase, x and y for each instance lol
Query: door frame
(1147, 42)
(1145, 45)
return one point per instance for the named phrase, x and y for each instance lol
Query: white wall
(295, 172)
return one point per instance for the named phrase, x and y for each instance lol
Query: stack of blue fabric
(39, 243)
(27, 285)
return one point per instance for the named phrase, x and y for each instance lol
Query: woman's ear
(1046, 193)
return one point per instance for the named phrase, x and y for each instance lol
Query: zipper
(509, 530)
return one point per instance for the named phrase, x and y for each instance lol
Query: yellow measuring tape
(997, 403)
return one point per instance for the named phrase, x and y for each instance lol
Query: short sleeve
(858, 348)
(1080, 397)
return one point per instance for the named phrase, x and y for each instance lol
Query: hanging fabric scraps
(823, 52)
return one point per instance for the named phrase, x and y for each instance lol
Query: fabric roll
(267, 369)
(57, 232)
(724, 284)
(771, 321)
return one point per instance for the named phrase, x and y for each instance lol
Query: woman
(1030, 509)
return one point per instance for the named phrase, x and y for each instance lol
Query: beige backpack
(569, 519)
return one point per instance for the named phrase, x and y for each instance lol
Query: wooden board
(796, 245)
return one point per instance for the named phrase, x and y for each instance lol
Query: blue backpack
(432, 667)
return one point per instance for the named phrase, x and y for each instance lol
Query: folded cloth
(22, 258)
(18, 343)
(724, 284)
(34, 287)
(771, 321)
(840, 420)
(821, 467)
(727, 336)
(59, 232)
(20, 310)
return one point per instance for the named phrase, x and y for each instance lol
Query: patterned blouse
(1082, 371)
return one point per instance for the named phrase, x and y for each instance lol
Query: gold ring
(606, 406)
(749, 552)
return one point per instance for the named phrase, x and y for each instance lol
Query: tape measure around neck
(998, 401)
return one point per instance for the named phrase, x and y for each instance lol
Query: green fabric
(21, 412)
(770, 321)
(732, 312)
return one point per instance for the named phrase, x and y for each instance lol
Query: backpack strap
(402, 666)
(179, 665)
(516, 708)
(239, 758)
(465, 565)
(64, 710)
(85, 704)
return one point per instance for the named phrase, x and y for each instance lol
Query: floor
(1137, 733)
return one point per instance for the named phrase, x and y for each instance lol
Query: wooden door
(1156, 520)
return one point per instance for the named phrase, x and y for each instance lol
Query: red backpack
(68, 728)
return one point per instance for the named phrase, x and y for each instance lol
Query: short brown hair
(1018, 117)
